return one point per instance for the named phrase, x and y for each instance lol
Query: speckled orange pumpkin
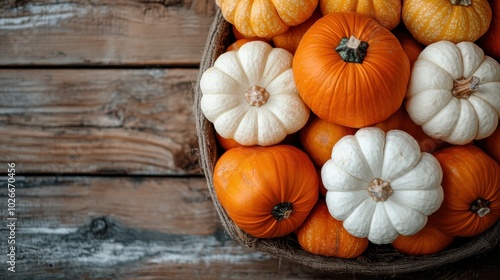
(265, 18)
(430, 21)
(385, 12)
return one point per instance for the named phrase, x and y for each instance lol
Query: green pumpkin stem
(464, 3)
(282, 211)
(352, 49)
(480, 207)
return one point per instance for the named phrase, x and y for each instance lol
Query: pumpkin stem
(352, 49)
(282, 211)
(465, 3)
(379, 190)
(257, 96)
(480, 207)
(464, 87)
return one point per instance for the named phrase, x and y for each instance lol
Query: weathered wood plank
(150, 228)
(163, 204)
(108, 32)
(98, 121)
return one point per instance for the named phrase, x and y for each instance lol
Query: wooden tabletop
(96, 114)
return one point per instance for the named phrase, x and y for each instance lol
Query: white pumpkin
(381, 185)
(250, 95)
(454, 92)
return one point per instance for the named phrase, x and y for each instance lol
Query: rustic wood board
(92, 87)
(80, 227)
(107, 32)
(130, 121)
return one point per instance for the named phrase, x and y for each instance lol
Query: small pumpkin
(454, 92)
(267, 191)
(401, 120)
(385, 12)
(250, 95)
(429, 240)
(237, 34)
(226, 143)
(318, 137)
(430, 21)
(350, 70)
(380, 184)
(471, 184)
(265, 18)
(289, 40)
(321, 234)
(411, 46)
(236, 45)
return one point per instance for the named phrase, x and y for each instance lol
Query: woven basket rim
(220, 36)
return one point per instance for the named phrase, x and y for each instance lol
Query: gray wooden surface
(95, 111)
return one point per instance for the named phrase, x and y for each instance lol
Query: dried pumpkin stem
(282, 211)
(464, 87)
(379, 190)
(352, 49)
(257, 96)
(480, 207)
(465, 3)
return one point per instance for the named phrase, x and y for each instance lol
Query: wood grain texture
(98, 121)
(173, 205)
(80, 227)
(97, 94)
(108, 32)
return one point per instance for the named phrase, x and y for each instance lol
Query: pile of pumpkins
(346, 122)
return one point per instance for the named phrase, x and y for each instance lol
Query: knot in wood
(99, 226)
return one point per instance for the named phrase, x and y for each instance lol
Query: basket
(376, 260)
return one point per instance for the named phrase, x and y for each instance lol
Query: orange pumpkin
(240, 42)
(471, 185)
(321, 234)
(237, 34)
(429, 240)
(267, 191)
(318, 137)
(385, 12)
(411, 46)
(491, 145)
(265, 18)
(430, 21)
(289, 40)
(401, 120)
(226, 143)
(350, 70)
